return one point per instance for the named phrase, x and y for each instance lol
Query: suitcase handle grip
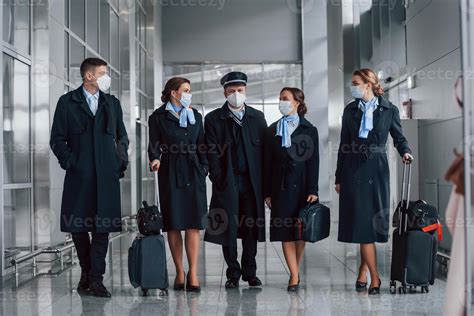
(405, 196)
(157, 190)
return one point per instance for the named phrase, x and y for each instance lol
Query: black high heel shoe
(375, 290)
(192, 288)
(178, 286)
(294, 287)
(361, 286)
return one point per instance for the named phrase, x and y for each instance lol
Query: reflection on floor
(328, 277)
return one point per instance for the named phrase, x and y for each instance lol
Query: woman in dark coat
(178, 151)
(362, 175)
(291, 175)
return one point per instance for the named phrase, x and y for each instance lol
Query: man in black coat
(234, 136)
(89, 139)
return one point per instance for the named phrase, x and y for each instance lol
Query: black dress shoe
(232, 284)
(178, 286)
(254, 281)
(375, 290)
(83, 285)
(192, 288)
(97, 288)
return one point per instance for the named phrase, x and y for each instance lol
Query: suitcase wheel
(412, 289)
(144, 292)
(403, 289)
(425, 289)
(393, 287)
(163, 292)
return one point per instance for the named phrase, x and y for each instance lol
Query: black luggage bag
(147, 256)
(314, 222)
(147, 263)
(415, 242)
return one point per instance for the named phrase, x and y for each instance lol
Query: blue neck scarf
(185, 115)
(367, 122)
(283, 129)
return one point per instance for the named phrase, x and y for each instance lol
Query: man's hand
(338, 188)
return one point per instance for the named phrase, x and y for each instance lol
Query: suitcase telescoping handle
(405, 196)
(157, 190)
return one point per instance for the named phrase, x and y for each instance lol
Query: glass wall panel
(114, 3)
(77, 17)
(16, 121)
(142, 69)
(115, 84)
(66, 56)
(66, 13)
(114, 39)
(92, 24)
(104, 34)
(16, 24)
(77, 56)
(17, 217)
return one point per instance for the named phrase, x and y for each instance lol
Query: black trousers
(92, 253)
(247, 208)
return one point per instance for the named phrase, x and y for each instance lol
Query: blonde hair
(369, 76)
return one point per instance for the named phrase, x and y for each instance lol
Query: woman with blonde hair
(362, 175)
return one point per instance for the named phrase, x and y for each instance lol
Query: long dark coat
(223, 226)
(183, 169)
(291, 174)
(363, 173)
(93, 151)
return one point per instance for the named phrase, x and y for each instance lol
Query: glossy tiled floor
(328, 276)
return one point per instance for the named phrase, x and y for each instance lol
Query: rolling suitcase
(414, 248)
(147, 259)
(147, 263)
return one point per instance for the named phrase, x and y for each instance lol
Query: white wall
(233, 31)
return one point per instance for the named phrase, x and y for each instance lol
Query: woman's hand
(312, 198)
(154, 165)
(338, 188)
(407, 158)
(268, 201)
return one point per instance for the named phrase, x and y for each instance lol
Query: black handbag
(314, 222)
(149, 218)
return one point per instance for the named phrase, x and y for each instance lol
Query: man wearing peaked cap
(237, 206)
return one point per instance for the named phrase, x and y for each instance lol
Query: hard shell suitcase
(147, 263)
(147, 259)
(414, 251)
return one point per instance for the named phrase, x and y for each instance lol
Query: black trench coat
(93, 151)
(291, 174)
(223, 226)
(183, 169)
(363, 173)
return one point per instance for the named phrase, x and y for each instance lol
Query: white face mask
(236, 99)
(104, 83)
(357, 92)
(185, 99)
(285, 107)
